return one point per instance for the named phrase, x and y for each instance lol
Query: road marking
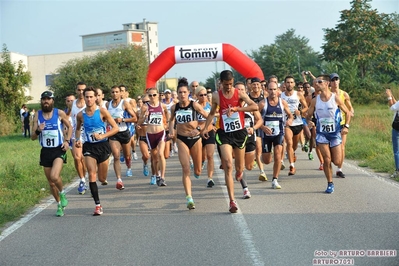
(239, 220)
(33, 213)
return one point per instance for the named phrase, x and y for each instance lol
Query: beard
(47, 108)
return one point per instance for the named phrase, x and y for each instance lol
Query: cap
(47, 94)
(167, 91)
(255, 80)
(334, 75)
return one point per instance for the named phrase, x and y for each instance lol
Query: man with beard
(48, 128)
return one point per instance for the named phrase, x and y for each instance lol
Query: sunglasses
(300, 87)
(320, 81)
(335, 79)
(152, 95)
(201, 95)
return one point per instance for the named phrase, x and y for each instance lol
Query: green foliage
(365, 36)
(13, 80)
(21, 177)
(122, 65)
(290, 54)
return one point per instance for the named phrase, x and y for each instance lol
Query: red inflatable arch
(202, 53)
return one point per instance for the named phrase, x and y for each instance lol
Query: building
(43, 67)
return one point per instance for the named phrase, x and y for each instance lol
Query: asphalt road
(150, 225)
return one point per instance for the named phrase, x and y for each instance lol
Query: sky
(50, 27)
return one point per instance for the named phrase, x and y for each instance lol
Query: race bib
(184, 116)
(90, 135)
(327, 125)
(232, 123)
(274, 127)
(50, 138)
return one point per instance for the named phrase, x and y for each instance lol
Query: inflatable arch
(202, 53)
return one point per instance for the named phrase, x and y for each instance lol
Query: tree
(288, 55)
(122, 65)
(365, 36)
(212, 81)
(13, 81)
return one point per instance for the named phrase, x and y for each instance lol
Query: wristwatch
(198, 128)
(346, 125)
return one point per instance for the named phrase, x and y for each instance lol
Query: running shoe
(82, 187)
(175, 149)
(282, 165)
(306, 147)
(190, 203)
(275, 184)
(111, 159)
(247, 194)
(210, 183)
(121, 158)
(292, 170)
(98, 211)
(135, 156)
(310, 156)
(203, 165)
(221, 166)
(330, 188)
(119, 185)
(60, 211)
(63, 200)
(191, 165)
(161, 182)
(104, 183)
(129, 172)
(239, 176)
(146, 171)
(196, 176)
(395, 174)
(340, 174)
(262, 177)
(255, 164)
(233, 206)
(153, 180)
(321, 167)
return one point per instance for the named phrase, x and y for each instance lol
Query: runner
(96, 148)
(48, 124)
(117, 108)
(141, 130)
(326, 107)
(231, 135)
(185, 115)
(274, 111)
(153, 113)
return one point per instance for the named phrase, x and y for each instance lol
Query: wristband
(37, 132)
(389, 98)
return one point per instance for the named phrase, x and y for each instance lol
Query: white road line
(32, 214)
(239, 220)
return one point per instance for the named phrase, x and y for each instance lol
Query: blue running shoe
(153, 180)
(146, 171)
(129, 173)
(82, 187)
(330, 188)
(196, 176)
(121, 158)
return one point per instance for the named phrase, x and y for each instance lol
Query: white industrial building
(42, 67)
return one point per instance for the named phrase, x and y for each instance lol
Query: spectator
(394, 105)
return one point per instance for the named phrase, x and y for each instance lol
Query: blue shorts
(334, 139)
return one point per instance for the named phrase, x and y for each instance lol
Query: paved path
(150, 225)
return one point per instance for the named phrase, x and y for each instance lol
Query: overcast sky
(48, 27)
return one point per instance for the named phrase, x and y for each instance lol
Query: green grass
(22, 178)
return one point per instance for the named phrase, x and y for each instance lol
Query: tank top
(74, 112)
(93, 124)
(328, 116)
(293, 104)
(236, 120)
(343, 115)
(168, 105)
(207, 108)
(185, 114)
(274, 118)
(117, 112)
(51, 136)
(256, 99)
(155, 115)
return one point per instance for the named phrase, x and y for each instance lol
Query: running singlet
(343, 115)
(168, 105)
(51, 136)
(328, 116)
(274, 118)
(74, 112)
(258, 99)
(117, 112)
(185, 114)
(93, 124)
(236, 120)
(207, 108)
(249, 121)
(155, 115)
(293, 104)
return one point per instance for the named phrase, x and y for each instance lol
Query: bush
(8, 125)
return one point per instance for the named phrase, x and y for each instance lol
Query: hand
(230, 111)
(267, 130)
(204, 133)
(78, 144)
(97, 136)
(65, 145)
(344, 131)
(388, 92)
(41, 126)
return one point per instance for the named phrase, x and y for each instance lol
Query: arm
(106, 116)
(143, 114)
(211, 115)
(288, 113)
(348, 104)
(302, 100)
(344, 109)
(200, 110)
(258, 121)
(251, 105)
(171, 121)
(129, 109)
(35, 127)
(68, 135)
(79, 122)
